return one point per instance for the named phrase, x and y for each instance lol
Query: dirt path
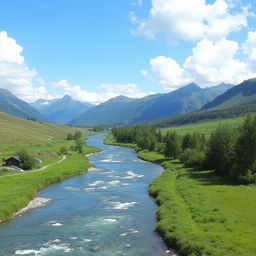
(46, 166)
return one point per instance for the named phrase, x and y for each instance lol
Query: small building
(14, 160)
(38, 160)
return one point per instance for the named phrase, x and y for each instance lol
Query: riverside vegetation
(47, 141)
(203, 208)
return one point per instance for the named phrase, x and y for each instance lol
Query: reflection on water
(105, 212)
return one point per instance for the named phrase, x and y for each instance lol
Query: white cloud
(216, 62)
(137, 3)
(211, 63)
(191, 20)
(15, 75)
(108, 91)
(249, 47)
(10, 51)
(171, 74)
(133, 18)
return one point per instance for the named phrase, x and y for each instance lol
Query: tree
(245, 151)
(79, 146)
(77, 135)
(221, 149)
(172, 144)
(64, 150)
(192, 158)
(69, 136)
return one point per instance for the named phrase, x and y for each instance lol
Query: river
(105, 212)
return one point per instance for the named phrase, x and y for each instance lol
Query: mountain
(12, 105)
(123, 110)
(63, 110)
(244, 93)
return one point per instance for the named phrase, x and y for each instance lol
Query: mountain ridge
(61, 110)
(123, 110)
(14, 106)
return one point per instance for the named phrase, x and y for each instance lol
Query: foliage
(172, 145)
(192, 157)
(79, 146)
(64, 150)
(245, 156)
(27, 161)
(220, 152)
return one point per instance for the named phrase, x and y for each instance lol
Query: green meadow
(205, 127)
(199, 212)
(41, 140)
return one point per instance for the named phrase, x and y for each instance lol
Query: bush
(192, 158)
(27, 161)
(64, 150)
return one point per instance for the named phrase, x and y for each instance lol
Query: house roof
(18, 158)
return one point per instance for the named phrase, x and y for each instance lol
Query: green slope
(12, 105)
(244, 93)
(15, 130)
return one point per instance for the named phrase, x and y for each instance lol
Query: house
(14, 160)
(38, 160)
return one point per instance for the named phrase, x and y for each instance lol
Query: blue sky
(96, 49)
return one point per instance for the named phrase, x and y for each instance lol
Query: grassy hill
(15, 130)
(243, 93)
(205, 127)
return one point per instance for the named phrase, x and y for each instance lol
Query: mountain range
(12, 105)
(244, 93)
(62, 110)
(124, 110)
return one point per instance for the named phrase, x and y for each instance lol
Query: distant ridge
(12, 105)
(244, 93)
(124, 110)
(62, 110)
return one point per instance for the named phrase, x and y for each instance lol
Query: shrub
(192, 158)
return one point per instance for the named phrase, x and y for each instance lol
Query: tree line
(230, 152)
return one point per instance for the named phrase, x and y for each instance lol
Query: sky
(94, 50)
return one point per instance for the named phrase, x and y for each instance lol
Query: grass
(17, 190)
(201, 213)
(205, 127)
(42, 140)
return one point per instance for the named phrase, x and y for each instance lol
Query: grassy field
(205, 127)
(41, 140)
(200, 213)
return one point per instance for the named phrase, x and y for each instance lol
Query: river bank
(200, 213)
(28, 184)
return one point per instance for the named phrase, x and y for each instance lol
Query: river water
(104, 212)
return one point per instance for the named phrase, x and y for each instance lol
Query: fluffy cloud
(211, 62)
(108, 91)
(216, 62)
(249, 47)
(171, 74)
(15, 75)
(137, 3)
(191, 20)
